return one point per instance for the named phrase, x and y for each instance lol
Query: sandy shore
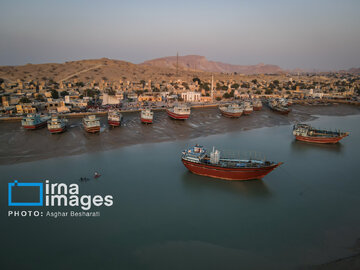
(19, 145)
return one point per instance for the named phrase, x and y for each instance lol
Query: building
(191, 96)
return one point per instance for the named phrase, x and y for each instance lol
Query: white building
(191, 96)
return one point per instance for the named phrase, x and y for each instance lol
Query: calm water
(164, 217)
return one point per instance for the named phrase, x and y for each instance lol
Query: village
(21, 97)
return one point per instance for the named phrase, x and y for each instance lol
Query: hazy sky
(322, 34)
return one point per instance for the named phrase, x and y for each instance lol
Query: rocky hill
(89, 70)
(197, 62)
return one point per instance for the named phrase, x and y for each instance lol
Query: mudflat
(20, 145)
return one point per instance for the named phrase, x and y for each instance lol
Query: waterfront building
(191, 96)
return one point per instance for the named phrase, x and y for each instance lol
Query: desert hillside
(89, 70)
(197, 62)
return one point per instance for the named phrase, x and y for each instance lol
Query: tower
(177, 64)
(212, 87)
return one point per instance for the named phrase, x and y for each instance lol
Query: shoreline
(311, 103)
(19, 145)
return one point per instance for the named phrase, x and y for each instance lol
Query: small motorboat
(97, 175)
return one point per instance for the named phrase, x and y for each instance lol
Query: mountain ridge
(201, 63)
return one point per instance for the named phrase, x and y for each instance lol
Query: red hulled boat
(146, 116)
(34, 121)
(198, 161)
(91, 124)
(114, 118)
(257, 105)
(181, 112)
(56, 124)
(306, 133)
(248, 108)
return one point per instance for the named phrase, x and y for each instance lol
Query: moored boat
(179, 112)
(114, 118)
(197, 160)
(91, 123)
(278, 106)
(248, 108)
(34, 121)
(146, 116)
(257, 105)
(306, 133)
(56, 124)
(232, 110)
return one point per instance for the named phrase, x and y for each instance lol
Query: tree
(54, 94)
(40, 98)
(226, 95)
(218, 98)
(80, 84)
(196, 79)
(235, 86)
(91, 92)
(245, 85)
(205, 86)
(111, 92)
(254, 81)
(268, 91)
(64, 93)
(24, 100)
(185, 85)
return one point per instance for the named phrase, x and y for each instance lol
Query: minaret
(177, 63)
(212, 87)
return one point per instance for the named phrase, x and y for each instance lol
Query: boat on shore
(146, 116)
(278, 106)
(91, 124)
(179, 112)
(114, 118)
(232, 110)
(257, 105)
(248, 108)
(216, 165)
(306, 133)
(56, 124)
(34, 121)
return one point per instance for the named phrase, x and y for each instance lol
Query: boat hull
(285, 112)
(92, 129)
(228, 173)
(37, 126)
(257, 108)
(231, 115)
(320, 139)
(146, 121)
(56, 130)
(247, 112)
(114, 123)
(177, 116)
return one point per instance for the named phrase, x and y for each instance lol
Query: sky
(309, 34)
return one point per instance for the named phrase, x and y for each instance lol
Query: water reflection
(300, 146)
(251, 188)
